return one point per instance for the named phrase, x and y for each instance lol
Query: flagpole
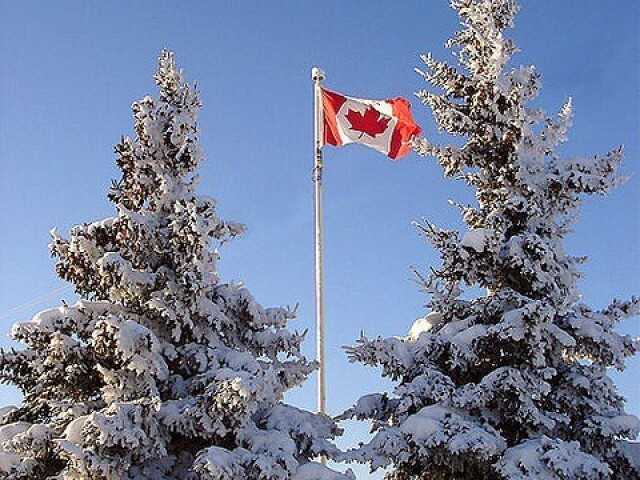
(317, 75)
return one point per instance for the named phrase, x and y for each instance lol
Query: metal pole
(317, 75)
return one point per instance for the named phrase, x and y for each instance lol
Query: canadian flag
(384, 125)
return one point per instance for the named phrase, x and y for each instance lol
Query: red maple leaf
(371, 122)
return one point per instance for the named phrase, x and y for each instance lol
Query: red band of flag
(384, 125)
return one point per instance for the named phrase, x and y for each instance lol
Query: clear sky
(70, 71)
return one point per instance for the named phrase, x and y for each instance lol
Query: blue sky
(72, 69)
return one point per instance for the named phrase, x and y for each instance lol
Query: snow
(368, 405)
(139, 346)
(619, 425)
(546, 459)
(425, 423)
(425, 324)
(7, 432)
(8, 461)
(73, 432)
(476, 239)
(526, 355)
(170, 356)
(218, 463)
(5, 412)
(632, 451)
(316, 471)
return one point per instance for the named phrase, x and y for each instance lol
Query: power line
(34, 301)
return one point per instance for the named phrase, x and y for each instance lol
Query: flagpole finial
(317, 74)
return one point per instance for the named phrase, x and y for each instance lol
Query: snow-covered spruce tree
(512, 384)
(160, 371)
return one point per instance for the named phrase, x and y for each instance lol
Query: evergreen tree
(160, 371)
(512, 384)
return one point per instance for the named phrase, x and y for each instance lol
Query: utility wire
(34, 301)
